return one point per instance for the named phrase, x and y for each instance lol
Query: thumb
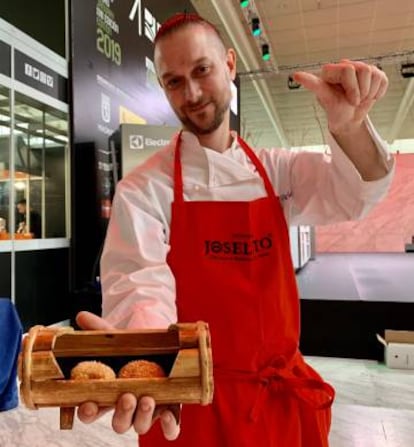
(89, 321)
(308, 80)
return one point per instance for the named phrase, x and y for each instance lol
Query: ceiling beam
(230, 18)
(405, 106)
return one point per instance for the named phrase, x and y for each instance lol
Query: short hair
(21, 202)
(183, 19)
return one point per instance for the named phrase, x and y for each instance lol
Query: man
(199, 233)
(35, 221)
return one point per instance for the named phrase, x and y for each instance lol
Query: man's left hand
(346, 91)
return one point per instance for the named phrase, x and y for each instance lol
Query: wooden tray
(48, 355)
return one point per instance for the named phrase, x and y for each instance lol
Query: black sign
(40, 77)
(113, 76)
(5, 59)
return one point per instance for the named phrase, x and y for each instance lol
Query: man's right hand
(128, 412)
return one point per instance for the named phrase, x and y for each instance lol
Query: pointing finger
(308, 80)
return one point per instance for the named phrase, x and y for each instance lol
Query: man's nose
(192, 91)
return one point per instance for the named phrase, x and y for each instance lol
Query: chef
(199, 232)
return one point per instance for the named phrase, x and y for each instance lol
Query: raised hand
(346, 91)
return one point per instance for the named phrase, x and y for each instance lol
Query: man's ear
(231, 63)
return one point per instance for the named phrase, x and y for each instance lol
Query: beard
(220, 109)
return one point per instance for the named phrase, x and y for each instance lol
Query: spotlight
(256, 30)
(265, 52)
(407, 70)
(244, 3)
(292, 84)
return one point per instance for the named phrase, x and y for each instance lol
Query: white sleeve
(137, 284)
(318, 189)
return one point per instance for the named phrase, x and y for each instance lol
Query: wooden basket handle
(25, 388)
(206, 367)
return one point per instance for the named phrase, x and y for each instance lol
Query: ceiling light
(265, 52)
(20, 186)
(256, 30)
(244, 3)
(407, 70)
(292, 84)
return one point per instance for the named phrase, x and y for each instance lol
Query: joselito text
(238, 247)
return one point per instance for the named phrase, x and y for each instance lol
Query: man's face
(195, 72)
(21, 208)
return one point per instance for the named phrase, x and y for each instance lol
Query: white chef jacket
(137, 283)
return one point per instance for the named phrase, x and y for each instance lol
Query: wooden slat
(45, 340)
(188, 335)
(45, 337)
(115, 343)
(70, 393)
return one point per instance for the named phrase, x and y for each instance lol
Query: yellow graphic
(128, 117)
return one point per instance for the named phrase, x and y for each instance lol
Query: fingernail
(126, 406)
(145, 406)
(166, 417)
(88, 411)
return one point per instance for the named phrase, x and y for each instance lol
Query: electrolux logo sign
(140, 142)
(136, 142)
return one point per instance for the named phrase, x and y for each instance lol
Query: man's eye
(203, 69)
(173, 83)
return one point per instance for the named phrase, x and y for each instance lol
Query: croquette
(141, 369)
(88, 370)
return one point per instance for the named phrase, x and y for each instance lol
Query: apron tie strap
(312, 391)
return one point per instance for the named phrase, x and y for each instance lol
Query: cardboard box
(399, 349)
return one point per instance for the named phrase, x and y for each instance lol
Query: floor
(374, 407)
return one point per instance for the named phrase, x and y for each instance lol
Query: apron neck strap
(178, 174)
(258, 165)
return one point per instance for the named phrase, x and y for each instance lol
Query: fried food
(141, 369)
(92, 370)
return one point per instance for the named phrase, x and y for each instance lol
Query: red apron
(233, 269)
